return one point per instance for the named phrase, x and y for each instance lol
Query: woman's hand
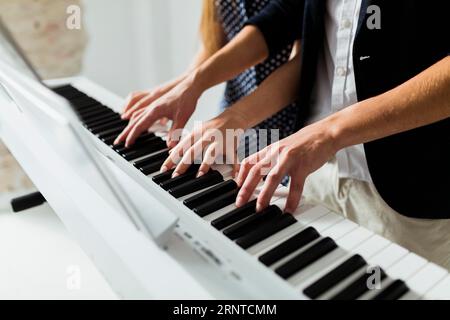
(297, 156)
(177, 105)
(140, 99)
(214, 139)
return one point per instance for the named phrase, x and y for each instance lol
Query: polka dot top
(234, 14)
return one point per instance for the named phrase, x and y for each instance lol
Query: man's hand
(297, 156)
(177, 105)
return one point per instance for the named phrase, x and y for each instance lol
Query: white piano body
(195, 261)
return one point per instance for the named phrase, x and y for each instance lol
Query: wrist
(235, 119)
(196, 82)
(335, 132)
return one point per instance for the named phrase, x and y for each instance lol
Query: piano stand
(27, 202)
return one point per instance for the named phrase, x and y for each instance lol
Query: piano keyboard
(319, 253)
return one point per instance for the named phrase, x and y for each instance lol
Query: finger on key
(189, 157)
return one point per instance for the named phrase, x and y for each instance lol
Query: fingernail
(123, 116)
(258, 207)
(239, 201)
(200, 173)
(175, 174)
(163, 169)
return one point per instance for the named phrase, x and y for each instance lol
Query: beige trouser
(360, 202)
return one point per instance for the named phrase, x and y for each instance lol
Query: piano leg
(27, 202)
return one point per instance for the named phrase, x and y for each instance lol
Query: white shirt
(335, 83)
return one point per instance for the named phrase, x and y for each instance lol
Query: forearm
(423, 100)
(276, 92)
(247, 49)
(200, 57)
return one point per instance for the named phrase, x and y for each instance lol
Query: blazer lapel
(362, 14)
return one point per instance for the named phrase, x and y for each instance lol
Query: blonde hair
(211, 30)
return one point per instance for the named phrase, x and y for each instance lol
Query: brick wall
(40, 28)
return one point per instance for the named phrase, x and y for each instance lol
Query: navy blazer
(411, 170)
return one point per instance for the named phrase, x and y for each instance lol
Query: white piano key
(276, 239)
(403, 269)
(326, 221)
(335, 232)
(441, 291)
(219, 213)
(306, 214)
(372, 246)
(293, 254)
(406, 267)
(388, 256)
(322, 223)
(354, 238)
(374, 292)
(384, 259)
(411, 295)
(359, 241)
(426, 278)
(340, 229)
(181, 199)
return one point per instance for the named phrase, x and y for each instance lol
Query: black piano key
(335, 276)
(84, 102)
(394, 291)
(69, 92)
(91, 108)
(177, 181)
(97, 117)
(64, 87)
(88, 105)
(168, 174)
(102, 120)
(73, 95)
(88, 111)
(109, 140)
(216, 204)
(110, 132)
(111, 125)
(151, 159)
(357, 288)
(252, 222)
(266, 230)
(152, 167)
(96, 114)
(164, 176)
(144, 137)
(235, 215)
(67, 88)
(209, 194)
(306, 258)
(289, 246)
(156, 146)
(138, 144)
(211, 178)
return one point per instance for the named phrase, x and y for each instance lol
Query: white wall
(136, 44)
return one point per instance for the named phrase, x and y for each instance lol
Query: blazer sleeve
(281, 23)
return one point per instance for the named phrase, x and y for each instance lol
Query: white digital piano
(157, 237)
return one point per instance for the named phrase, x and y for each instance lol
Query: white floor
(39, 260)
